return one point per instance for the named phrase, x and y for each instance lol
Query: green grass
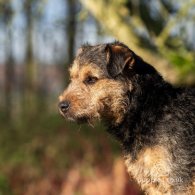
(4, 185)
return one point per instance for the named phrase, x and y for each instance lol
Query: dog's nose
(64, 106)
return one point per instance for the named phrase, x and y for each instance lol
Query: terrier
(153, 121)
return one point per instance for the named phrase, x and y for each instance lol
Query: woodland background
(41, 153)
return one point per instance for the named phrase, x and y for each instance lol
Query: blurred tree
(71, 28)
(70, 23)
(30, 69)
(7, 14)
(151, 25)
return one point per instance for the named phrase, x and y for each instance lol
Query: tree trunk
(9, 77)
(9, 65)
(30, 101)
(71, 29)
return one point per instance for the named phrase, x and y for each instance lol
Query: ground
(60, 158)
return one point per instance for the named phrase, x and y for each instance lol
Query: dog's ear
(118, 58)
(121, 60)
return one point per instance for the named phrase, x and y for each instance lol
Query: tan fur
(74, 70)
(151, 170)
(77, 72)
(91, 100)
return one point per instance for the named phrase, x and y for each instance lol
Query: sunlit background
(41, 153)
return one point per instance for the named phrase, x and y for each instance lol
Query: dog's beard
(90, 120)
(81, 119)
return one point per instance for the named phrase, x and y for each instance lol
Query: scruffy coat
(157, 128)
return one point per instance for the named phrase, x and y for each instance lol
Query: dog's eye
(90, 80)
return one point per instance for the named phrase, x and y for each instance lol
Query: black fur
(158, 113)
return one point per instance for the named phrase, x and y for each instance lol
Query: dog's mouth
(83, 119)
(78, 119)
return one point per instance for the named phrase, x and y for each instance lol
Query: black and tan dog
(154, 122)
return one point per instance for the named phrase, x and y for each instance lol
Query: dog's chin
(82, 119)
(78, 119)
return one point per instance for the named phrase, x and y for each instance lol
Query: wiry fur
(153, 121)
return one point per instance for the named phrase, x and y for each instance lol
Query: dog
(153, 121)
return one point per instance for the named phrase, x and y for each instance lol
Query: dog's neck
(137, 127)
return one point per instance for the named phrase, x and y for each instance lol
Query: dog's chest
(151, 169)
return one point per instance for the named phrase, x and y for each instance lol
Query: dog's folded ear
(121, 60)
(118, 58)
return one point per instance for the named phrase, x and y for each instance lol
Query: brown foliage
(96, 181)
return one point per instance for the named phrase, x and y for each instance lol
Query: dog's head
(100, 79)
